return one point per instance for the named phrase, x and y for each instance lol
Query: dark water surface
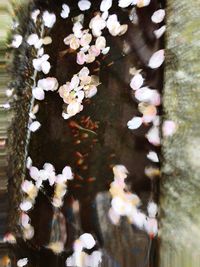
(106, 141)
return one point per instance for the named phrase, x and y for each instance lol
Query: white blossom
(156, 59)
(125, 3)
(65, 11)
(38, 93)
(42, 64)
(136, 81)
(34, 126)
(84, 5)
(105, 5)
(49, 19)
(158, 16)
(159, 32)
(17, 41)
(87, 240)
(26, 205)
(134, 123)
(152, 209)
(22, 262)
(153, 156)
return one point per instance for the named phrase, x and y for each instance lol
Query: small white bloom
(22, 262)
(34, 173)
(156, 59)
(29, 163)
(84, 5)
(48, 84)
(153, 136)
(42, 64)
(134, 123)
(158, 33)
(67, 172)
(105, 5)
(120, 171)
(158, 16)
(34, 126)
(105, 50)
(65, 11)
(34, 40)
(152, 209)
(49, 19)
(38, 93)
(26, 205)
(17, 41)
(153, 156)
(137, 81)
(125, 3)
(74, 108)
(97, 24)
(87, 240)
(100, 42)
(35, 14)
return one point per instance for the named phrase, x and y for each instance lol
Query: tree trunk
(180, 205)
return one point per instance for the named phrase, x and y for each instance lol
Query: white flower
(147, 95)
(35, 14)
(48, 84)
(74, 108)
(134, 123)
(153, 136)
(137, 81)
(125, 3)
(114, 26)
(158, 33)
(105, 5)
(25, 219)
(153, 156)
(26, 205)
(42, 64)
(84, 5)
(34, 173)
(34, 126)
(38, 93)
(100, 42)
(97, 24)
(156, 59)
(67, 173)
(120, 171)
(34, 40)
(152, 209)
(65, 11)
(77, 29)
(17, 41)
(28, 232)
(29, 163)
(87, 240)
(158, 16)
(49, 19)
(138, 218)
(22, 262)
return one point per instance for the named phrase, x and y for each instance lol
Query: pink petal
(157, 59)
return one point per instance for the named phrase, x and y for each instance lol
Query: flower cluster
(82, 39)
(31, 189)
(80, 258)
(126, 204)
(81, 86)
